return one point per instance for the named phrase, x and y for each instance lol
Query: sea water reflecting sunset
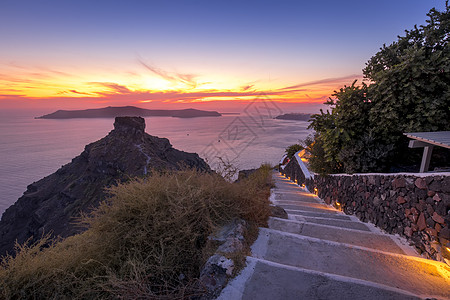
(31, 149)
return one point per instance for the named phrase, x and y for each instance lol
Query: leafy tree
(292, 149)
(409, 92)
(344, 134)
(317, 161)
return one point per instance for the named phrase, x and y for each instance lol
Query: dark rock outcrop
(278, 212)
(219, 269)
(245, 174)
(53, 203)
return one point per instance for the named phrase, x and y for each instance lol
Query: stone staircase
(321, 253)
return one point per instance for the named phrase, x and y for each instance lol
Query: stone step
(316, 205)
(288, 189)
(312, 213)
(350, 224)
(294, 202)
(295, 198)
(320, 216)
(265, 280)
(295, 192)
(299, 210)
(284, 182)
(338, 234)
(310, 205)
(333, 223)
(419, 276)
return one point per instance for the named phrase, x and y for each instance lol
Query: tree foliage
(409, 91)
(292, 149)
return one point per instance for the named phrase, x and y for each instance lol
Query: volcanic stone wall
(294, 172)
(413, 206)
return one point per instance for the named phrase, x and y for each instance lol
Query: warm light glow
(152, 83)
(303, 185)
(432, 266)
(308, 195)
(319, 206)
(446, 254)
(316, 191)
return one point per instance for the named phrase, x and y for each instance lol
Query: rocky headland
(119, 111)
(294, 117)
(52, 204)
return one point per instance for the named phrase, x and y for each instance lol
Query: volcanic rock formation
(54, 202)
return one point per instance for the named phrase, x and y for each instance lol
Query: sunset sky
(203, 54)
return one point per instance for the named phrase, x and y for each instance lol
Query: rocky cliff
(53, 203)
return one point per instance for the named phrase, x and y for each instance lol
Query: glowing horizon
(162, 88)
(211, 55)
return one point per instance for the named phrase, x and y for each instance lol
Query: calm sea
(31, 149)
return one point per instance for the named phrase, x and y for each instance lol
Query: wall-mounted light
(316, 191)
(446, 254)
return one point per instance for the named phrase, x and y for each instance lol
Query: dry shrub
(145, 242)
(253, 196)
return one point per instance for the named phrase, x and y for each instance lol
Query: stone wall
(410, 205)
(293, 171)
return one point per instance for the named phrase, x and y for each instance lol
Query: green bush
(292, 149)
(408, 92)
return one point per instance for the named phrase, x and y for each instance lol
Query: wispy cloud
(114, 87)
(334, 80)
(15, 79)
(36, 70)
(10, 90)
(187, 79)
(247, 87)
(12, 96)
(67, 92)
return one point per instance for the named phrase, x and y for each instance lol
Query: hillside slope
(52, 203)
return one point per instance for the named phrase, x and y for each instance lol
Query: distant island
(294, 116)
(121, 111)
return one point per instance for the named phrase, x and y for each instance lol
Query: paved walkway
(321, 253)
